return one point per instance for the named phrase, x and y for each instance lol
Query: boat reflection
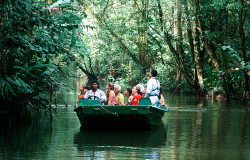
(124, 138)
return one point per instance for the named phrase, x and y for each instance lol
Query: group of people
(113, 95)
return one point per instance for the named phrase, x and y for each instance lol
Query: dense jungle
(198, 47)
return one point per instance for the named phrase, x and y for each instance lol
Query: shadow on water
(25, 141)
(121, 138)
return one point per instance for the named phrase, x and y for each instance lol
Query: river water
(192, 129)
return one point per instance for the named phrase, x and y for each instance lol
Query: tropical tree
(34, 42)
(198, 39)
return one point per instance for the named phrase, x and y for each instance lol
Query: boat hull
(119, 117)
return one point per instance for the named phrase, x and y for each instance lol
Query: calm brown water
(192, 129)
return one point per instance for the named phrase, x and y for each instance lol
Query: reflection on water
(192, 129)
(25, 141)
(120, 138)
(103, 144)
(207, 129)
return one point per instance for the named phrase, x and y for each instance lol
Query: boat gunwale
(97, 111)
(118, 106)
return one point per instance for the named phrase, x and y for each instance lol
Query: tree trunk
(114, 35)
(91, 75)
(177, 57)
(178, 35)
(243, 49)
(179, 76)
(197, 55)
(207, 43)
(142, 34)
(142, 58)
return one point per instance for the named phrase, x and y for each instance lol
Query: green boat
(93, 115)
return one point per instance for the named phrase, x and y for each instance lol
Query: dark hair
(86, 87)
(129, 91)
(154, 73)
(95, 81)
(138, 90)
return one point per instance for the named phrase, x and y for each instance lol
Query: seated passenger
(128, 93)
(95, 93)
(162, 100)
(144, 92)
(118, 95)
(136, 94)
(141, 86)
(110, 94)
(83, 90)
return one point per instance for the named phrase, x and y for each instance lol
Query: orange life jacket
(80, 96)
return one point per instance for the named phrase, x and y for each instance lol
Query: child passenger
(162, 100)
(83, 89)
(136, 94)
(128, 93)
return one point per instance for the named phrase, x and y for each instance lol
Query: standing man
(95, 93)
(153, 88)
(118, 96)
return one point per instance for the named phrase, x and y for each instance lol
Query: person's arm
(122, 99)
(86, 96)
(149, 89)
(102, 97)
(117, 98)
(158, 87)
(127, 102)
(111, 96)
(162, 100)
(130, 98)
(110, 99)
(77, 101)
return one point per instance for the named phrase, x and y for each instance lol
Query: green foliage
(230, 74)
(128, 38)
(33, 44)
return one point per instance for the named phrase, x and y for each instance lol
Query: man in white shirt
(95, 93)
(153, 88)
